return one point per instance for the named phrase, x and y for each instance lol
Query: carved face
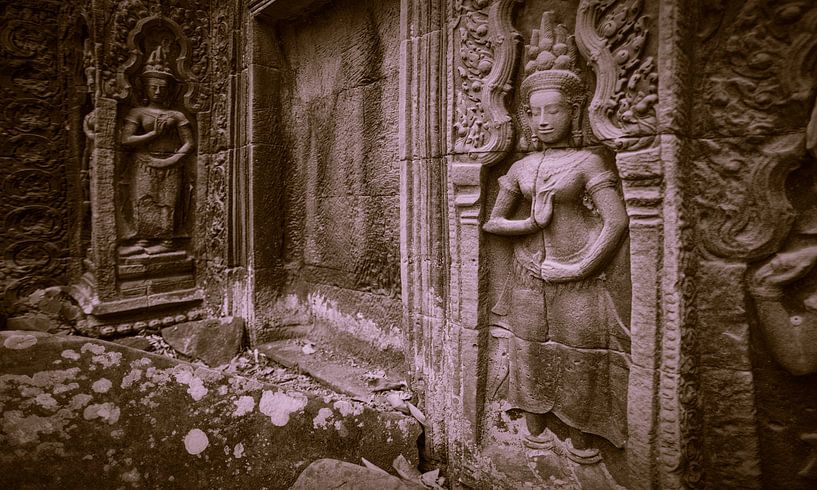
(156, 89)
(550, 116)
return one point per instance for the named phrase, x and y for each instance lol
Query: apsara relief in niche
(561, 207)
(155, 175)
(160, 137)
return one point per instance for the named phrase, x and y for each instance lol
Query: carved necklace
(558, 166)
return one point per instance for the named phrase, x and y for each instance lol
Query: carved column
(424, 214)
(486, 47)
(638, 110)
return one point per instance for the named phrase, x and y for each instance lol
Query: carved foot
(129, 250)
(581, 456)
(160, 248)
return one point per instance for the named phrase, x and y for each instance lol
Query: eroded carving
(612, 35)
(563, 301)
(33, 207)
(162, 138)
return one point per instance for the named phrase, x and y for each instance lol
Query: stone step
(333, 369)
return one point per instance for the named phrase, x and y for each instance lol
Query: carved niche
(155, 176)
(143, 163)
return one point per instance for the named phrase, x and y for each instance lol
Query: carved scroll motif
(752, 218)
(489, 54)
(766, 77)
(33, 234)
(611, 35)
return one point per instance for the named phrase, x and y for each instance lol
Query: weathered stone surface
(326, 473)
(31, 321)
(139, 343)
(86, 413)
(213, 341)
(341, 235)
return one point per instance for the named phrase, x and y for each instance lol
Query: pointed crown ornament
(551, 63)
(157, 65)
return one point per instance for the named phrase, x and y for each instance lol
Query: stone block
(342, 474)
(213, 341)
(138, 343)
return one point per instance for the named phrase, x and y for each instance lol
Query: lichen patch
(70, 354)
(20, 430)
(92, 348)
(196, 388)
(196, 441)
(132, 377)
(243, 406)
(279, 406)
(321, 421)
(238, 451)
(102, 385)
(19, 342)
(347, 408)
(108, 359)
(107, 412)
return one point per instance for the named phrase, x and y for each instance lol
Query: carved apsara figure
(160, 137)
(565, 300)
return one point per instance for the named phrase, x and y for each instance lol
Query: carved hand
(542, 208)
(160, 125)
(552, 271)
(786, 267)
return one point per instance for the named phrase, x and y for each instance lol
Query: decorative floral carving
(766, 70)
(612, 35)
(488, 59)
(31, 169)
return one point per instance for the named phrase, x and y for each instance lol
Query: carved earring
(577, 133)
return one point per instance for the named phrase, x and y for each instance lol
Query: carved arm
(790, 332)
(188, 144)
(614, 228)
(499, 224)
(129, 138)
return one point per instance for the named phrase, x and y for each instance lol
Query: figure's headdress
(157, 65)
(551, 64)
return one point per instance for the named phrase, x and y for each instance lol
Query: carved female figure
(569, 348)
(163, 140)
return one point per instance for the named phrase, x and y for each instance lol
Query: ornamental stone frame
(444, 252)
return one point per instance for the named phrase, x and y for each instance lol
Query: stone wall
(340, 175)
(752, 170)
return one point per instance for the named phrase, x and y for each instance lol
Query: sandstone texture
(213, 341)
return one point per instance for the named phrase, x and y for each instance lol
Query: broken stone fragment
(215, 342)
(348, 475)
